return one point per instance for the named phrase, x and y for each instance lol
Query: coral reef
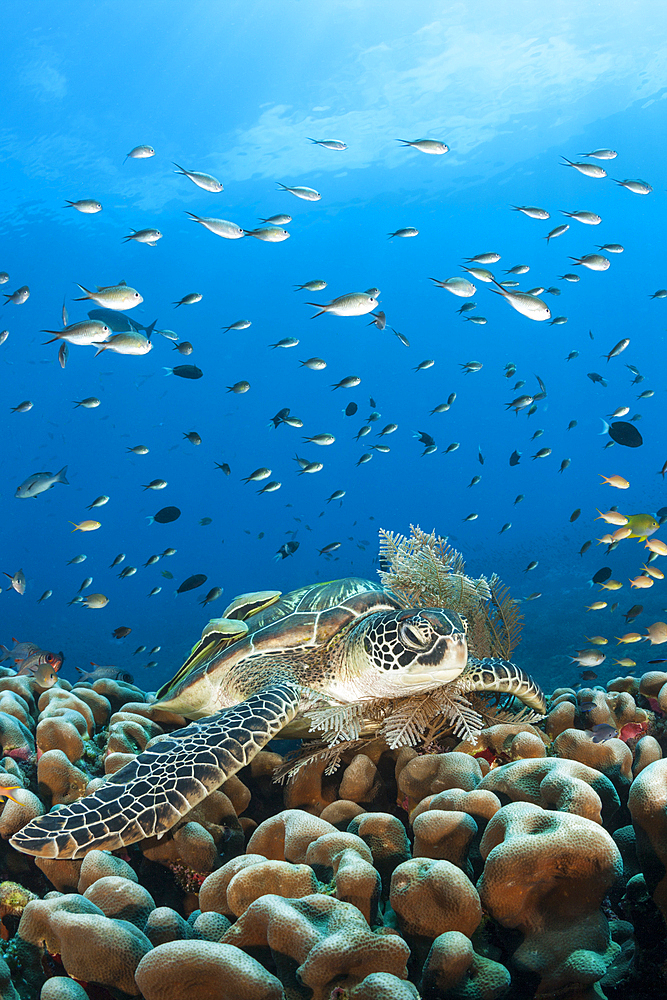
(527, 861)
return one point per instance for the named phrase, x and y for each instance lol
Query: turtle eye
(412, 637)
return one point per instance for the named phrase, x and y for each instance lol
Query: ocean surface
(238, 90)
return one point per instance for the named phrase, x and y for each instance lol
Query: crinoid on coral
(423, 571)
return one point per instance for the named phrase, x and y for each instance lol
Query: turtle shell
(302, 620)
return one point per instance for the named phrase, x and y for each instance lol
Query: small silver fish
(204, 181)
(87, 205)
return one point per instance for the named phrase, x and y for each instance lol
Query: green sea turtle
(345, 645)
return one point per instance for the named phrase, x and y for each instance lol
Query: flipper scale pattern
(151, 793)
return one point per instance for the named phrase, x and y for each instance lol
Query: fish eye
(412, 637)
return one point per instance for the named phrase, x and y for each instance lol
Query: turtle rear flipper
(150, 794)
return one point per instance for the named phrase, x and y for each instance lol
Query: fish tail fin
(53, 339)
(80, 669)
(317, 305)
(75, 528)
(169, 371)
(283, 186)
(149, 517)
(4, 653)
(180, 169)
(62, 476)
(605, 426)
(568, 162)
(102, 347)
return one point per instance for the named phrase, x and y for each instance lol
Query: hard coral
(561, 784)
(454, 969)
(325, 938)
(204, 970)
(431, 897)
(648, 807)
(546, 874)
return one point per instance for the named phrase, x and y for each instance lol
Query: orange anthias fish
(7, 790)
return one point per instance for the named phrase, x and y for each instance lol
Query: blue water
(234, 90)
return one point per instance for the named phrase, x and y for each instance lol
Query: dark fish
(514, 457)
(424, 438)
(167, 575)
(603, 732)
(480, 457)
(186, 371)
(634, 611)
(372, 402)
(116, 321)
(602, 575)
(166, 515)
(626, 434)
(351, 409)
(288, 549)
(662, 660)
(589, 675)
(206, 520)
(585, 547)
(280, 416)
(575, 514)
(121, 632)
(586, 706)
(63, 354)
(100, 673)
(224, 468)
(184, 348)
(192, 583)
(331, 547)
(661, 515)
(594, 377)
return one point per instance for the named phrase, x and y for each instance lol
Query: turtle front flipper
(493, 674)
(151, 793)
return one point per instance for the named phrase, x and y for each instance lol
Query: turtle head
(407, 651)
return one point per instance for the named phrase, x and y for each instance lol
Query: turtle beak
(444, 662)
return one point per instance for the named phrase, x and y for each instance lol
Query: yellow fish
(642, 526)
(87, 525)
